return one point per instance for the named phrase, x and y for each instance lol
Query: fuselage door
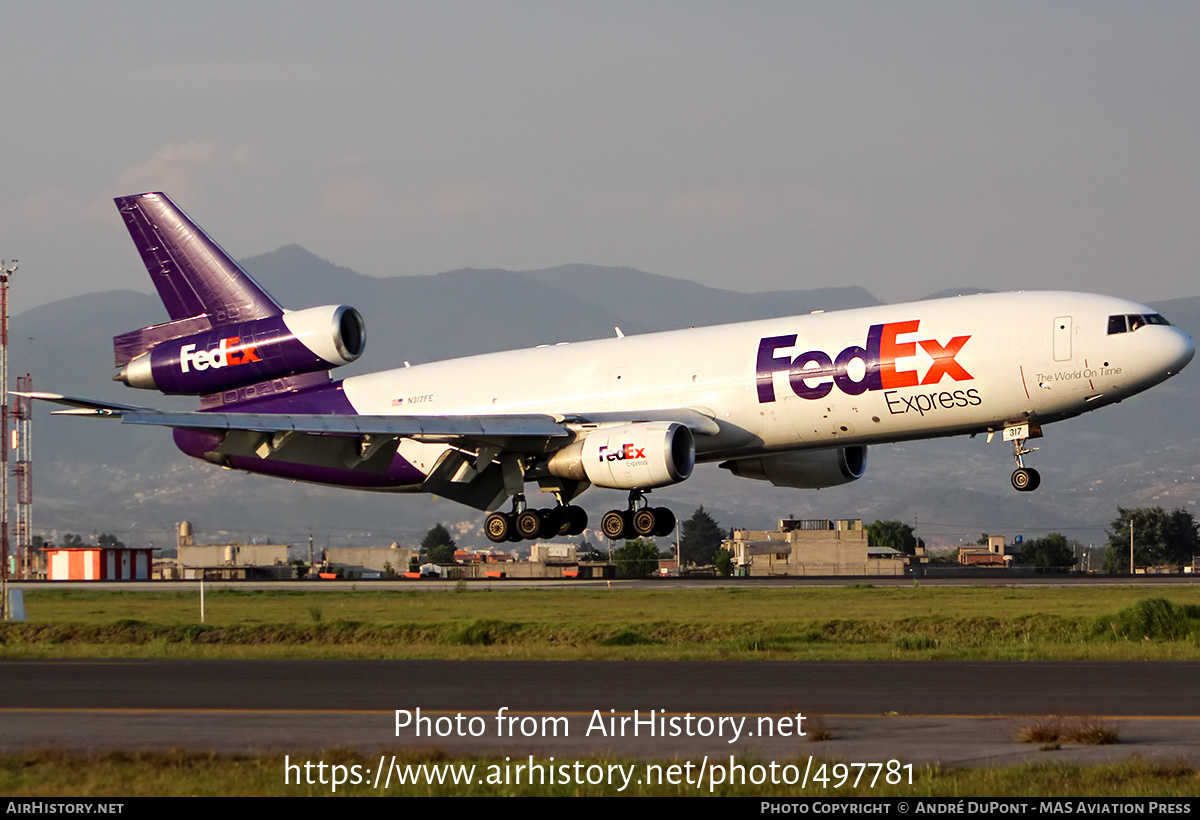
(1062, 339)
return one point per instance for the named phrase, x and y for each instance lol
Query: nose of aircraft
(1177, 350)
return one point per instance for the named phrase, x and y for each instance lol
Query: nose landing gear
(1024, 479)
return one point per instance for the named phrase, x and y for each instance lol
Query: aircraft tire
(576, 520)
(553, 523)
(513, 535)
(645, 522)
(614, 525)
(497, 527)
(529, 524)
(665, 522)
(1025, 479)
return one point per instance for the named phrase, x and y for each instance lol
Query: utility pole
(1131, 546)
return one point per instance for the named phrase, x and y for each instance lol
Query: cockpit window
(1129, 322)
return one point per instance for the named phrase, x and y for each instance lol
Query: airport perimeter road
(949, 712)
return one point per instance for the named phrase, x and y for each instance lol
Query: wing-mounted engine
(241, 353)
(810, 470)
(638, 456)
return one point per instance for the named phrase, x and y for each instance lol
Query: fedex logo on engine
(812, 375)
(228, 353)
(627, 451)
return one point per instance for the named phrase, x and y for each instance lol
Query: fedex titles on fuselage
(814, 373)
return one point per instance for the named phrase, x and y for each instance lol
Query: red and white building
(99, 563)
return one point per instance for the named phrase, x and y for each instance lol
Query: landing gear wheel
(666, 522)
(498, 527)
(553, 523)
(645, 521)
(576, 520)
(529, 524)
(615, 524)
(1026, 479)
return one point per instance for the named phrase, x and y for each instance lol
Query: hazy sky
(904, 147)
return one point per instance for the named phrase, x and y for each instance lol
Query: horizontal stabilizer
(84, 407)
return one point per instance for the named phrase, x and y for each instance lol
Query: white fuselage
(888, 373)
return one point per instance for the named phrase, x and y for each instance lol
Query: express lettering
(923, 403)
(813, 374)
(228, 353)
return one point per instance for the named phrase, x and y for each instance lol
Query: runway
(953, 713)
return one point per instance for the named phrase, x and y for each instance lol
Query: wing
(481, 465)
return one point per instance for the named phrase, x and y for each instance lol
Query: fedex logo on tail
(228, 353)
(813, 374)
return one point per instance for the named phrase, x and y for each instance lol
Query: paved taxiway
(954, 713)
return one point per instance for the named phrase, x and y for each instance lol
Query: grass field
(846, 623)
(626, 622)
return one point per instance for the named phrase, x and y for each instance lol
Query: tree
(895, 534)
(700, 538)
(584, 551)
(1159, 537)
(724, 562)
(438, 546)
(637, 559)
(1052, 551)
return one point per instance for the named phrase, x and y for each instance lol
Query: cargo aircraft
(793, 401)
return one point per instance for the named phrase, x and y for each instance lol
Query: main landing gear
(639, 520)
(525, 524)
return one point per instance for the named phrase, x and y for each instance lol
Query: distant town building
(551, 553)
(232, 560)
(814, 547)
(369, 562)
(995, 554)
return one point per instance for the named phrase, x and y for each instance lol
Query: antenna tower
(6, 270)
(22, 443)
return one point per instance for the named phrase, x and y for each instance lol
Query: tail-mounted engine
(638, 456)
(809, 470)
(233, 355)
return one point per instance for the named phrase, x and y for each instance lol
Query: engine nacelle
(301, 341)
(807, 470)
(638, 456)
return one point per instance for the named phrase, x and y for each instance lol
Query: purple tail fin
(199, 284)
(193, 275)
